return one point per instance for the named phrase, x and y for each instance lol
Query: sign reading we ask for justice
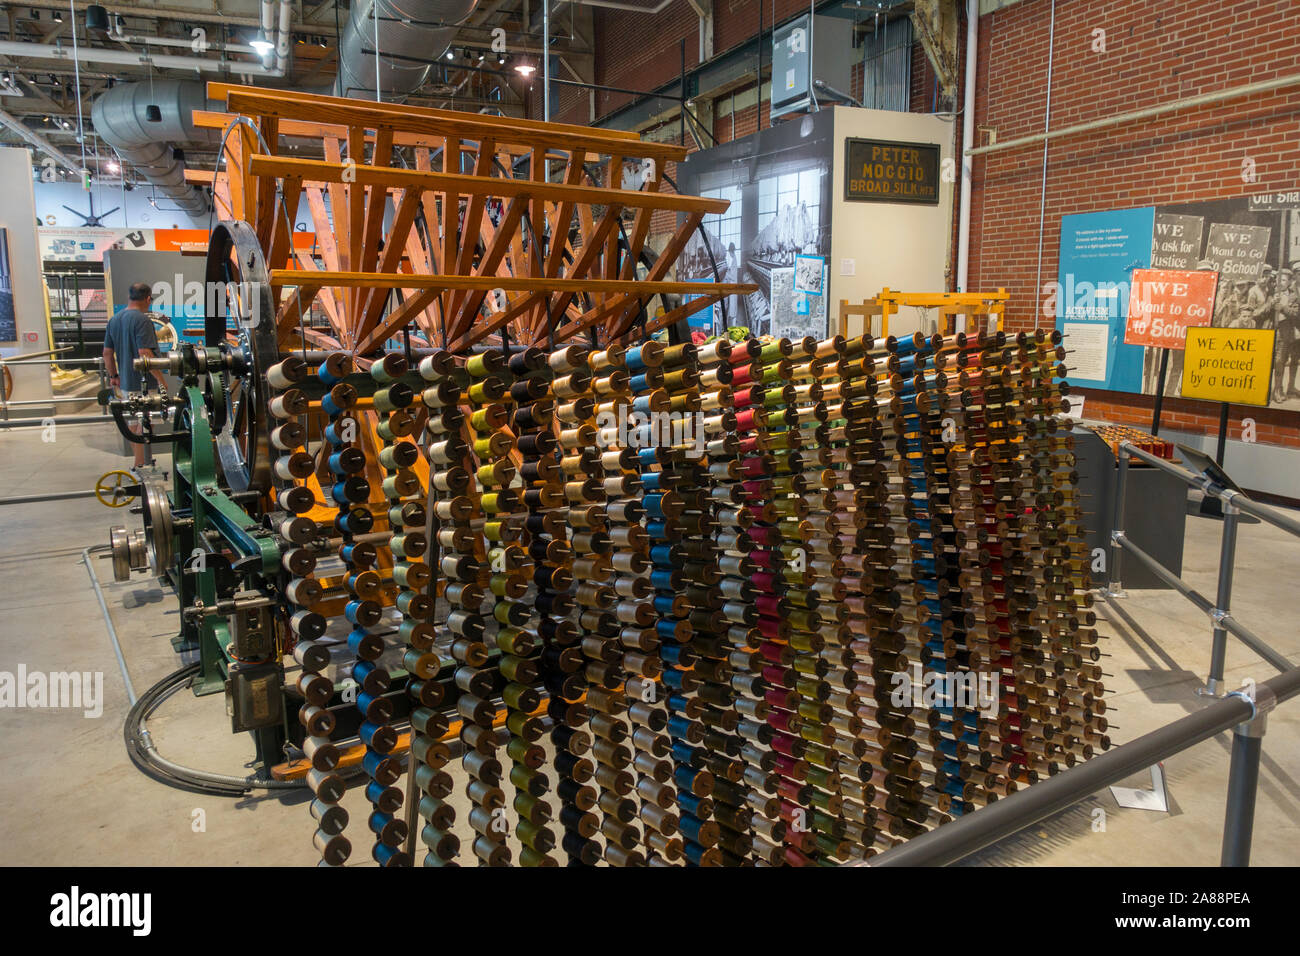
(1164, 303)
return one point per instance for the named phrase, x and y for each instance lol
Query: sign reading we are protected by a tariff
(1228, 365)
(1164, 303)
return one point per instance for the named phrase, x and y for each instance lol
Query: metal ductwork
(124, 118)
(408, 48)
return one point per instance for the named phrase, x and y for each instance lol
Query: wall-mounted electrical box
(792, 67)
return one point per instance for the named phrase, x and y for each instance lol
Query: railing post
(1115, 587)
(1243, 781)
(1227, 558)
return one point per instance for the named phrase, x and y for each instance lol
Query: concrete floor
(72, 797)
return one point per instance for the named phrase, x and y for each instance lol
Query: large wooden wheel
(452, 228)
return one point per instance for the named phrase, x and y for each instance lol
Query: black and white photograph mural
(778, 183)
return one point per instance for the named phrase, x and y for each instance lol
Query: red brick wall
(1154, 54)
(637, 51)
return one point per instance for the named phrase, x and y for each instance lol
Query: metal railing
(50, 357)
(1234, 504)
(988, 825)
(1245, 714)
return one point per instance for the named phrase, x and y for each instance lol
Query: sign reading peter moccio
(880, 171)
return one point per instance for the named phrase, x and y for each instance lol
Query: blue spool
(356, 636)
(329, 407)
(632, 359)
(684, 777)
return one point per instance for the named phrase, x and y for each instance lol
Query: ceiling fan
(91, 220)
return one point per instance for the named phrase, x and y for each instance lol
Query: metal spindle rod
(51, 496)
(51, 361)
(68, 400)
(28, 355)
(46, 422)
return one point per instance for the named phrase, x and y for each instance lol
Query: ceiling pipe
(39, 141)
(127, 40)
(630, 7)
(407, 47)
(1146, 112)
(176, 14)
(47, 51)
(282, 37)
(967, 139)
(268, 32)
(145, 123)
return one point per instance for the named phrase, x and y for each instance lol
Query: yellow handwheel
(112, 489)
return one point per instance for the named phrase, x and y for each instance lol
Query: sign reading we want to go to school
(1164, 303)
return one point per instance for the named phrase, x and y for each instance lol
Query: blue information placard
(1099, 251)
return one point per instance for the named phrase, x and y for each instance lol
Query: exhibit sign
(1251, 242)
(1099, 251)
(880, 171)
(778, 182)
(89, 245)
(1229, 365)
(1164, 303)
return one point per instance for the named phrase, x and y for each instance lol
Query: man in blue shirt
(130, 335)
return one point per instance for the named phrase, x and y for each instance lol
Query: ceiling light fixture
(525, 68)
(262, 45)
(113, 167)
